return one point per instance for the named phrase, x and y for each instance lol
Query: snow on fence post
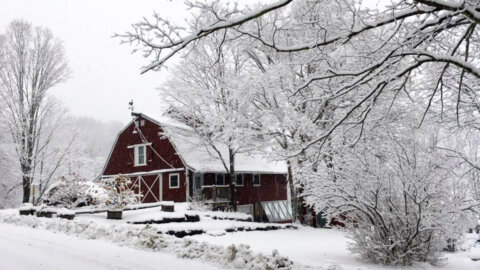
(168, 206)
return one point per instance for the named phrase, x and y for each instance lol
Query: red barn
(166, 161)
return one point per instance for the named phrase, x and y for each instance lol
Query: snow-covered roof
(200, 158)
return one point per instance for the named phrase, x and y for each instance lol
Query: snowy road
(24, 248)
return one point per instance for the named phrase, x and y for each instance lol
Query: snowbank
(146, 237)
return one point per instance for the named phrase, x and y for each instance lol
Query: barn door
(150, 187)
(135, 186)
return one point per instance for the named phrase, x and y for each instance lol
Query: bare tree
(207, 94)
(383, 48)
(32, 61)
(9, 186)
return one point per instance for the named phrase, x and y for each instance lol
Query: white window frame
(259, 180)
(215, 182)
(170, 180)
(243, 180)
(137, 156)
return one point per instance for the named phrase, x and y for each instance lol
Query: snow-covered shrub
(120, 192)
(400, 198)
(26, 207)
(74, 191)
(200, 206)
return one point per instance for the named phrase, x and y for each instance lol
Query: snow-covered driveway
(24, 248)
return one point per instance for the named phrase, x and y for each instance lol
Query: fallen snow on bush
(65, 211)
(227, 215)
(214, 227)
(146, 237)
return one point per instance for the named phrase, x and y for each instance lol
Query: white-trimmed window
(220, 179)
(256, 180)
(140, 155)
(174, 180)
(239, 179)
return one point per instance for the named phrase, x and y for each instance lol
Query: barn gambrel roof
(198, 157)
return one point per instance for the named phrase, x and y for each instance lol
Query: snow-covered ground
(24, 248)
(92, 242)
(327, 248)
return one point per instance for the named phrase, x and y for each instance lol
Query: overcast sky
(105, 74)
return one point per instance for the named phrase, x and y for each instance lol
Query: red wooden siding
(174, 194)
(122, 158)
(149, 186)
(273, 187)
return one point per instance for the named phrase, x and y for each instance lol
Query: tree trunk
(27, 167)
(293, 194)
(233, 201)
(26, 188)
(301, 207)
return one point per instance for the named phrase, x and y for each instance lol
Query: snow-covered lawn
(327, 249)
(24, 248)
(307, 248)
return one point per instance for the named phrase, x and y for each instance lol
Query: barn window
(256, 179)
(174, 180)
(140, 155)
(220, 179)
(239, 179)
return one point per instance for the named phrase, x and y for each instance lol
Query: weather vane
(130, 106)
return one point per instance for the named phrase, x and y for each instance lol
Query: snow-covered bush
(400, 198)
(200, 206)
(120, 192)
(26, 207)
(73, 191)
